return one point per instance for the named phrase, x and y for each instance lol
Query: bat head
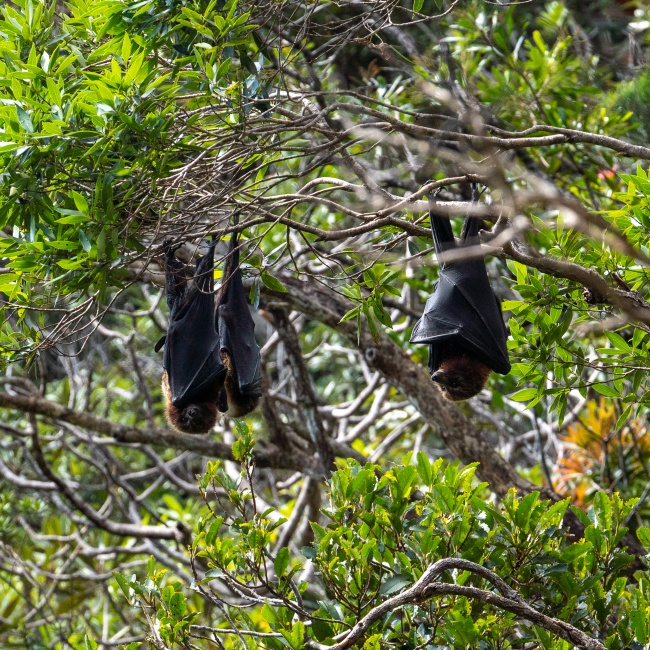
(194, 418)
(461, 376)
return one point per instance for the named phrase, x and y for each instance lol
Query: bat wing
(443, 235)
(464, 307)
(237, 329)
(191, 356)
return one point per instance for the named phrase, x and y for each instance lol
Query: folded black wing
(236, 326)
(191, 356)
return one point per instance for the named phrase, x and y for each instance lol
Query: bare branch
(307, 402)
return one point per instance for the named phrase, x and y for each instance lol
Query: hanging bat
(193, 374)
(239, 352)
(211, 361)
(462, 320)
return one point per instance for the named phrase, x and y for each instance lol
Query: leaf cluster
(383, 530)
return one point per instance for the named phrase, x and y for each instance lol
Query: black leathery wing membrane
(463, 308)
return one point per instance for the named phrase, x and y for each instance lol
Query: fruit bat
(193, 373)
(211, 360)
(462, 320)
(239, 352)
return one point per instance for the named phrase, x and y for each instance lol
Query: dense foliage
(331, 129)
(383, 534)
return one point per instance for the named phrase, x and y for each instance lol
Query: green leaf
(73, 220)
(353, 313)
(574, 551)
(524, 395)
(272, 283)
(524, 509)
(126, 48)
(53, 91)
(85, 242)
(213, 531)
(296, 636)
(123, 585)
(309, 552)
(394, 585)
(270, 616)
(101, 244)
(70, 265)
(424, 468)
(80, 202)
(177, 605)
(222, 71)
(45, 61)
(539, 41)
(382, 315)
(281, 562)
(581, 515)
(643, 535)
(607, 390)
(373, 642)
(372, 326)
(6, 147)
(639, 623)
(602, 508)
(618, 342)
(24, 120)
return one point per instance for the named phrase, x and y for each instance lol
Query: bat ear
(160, 343)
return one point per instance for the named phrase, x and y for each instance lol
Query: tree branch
(307, 402)
(629, 302)
(269, 456)
(425, 588)
(179, 533)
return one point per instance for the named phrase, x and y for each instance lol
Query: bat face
(193, 418)
(461, 377)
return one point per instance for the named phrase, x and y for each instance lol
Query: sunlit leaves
(383, 531)
(89, 118)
